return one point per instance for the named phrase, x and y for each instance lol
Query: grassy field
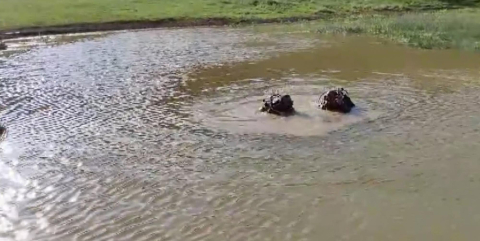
(455, 24)
(27, 13)
(442, 29)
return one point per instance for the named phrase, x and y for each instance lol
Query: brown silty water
(156, 135)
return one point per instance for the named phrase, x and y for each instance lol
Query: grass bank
(452, 28)
(441, 29)
(17, 14)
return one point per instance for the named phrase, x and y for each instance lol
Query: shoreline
(194, 22)
(142, 24)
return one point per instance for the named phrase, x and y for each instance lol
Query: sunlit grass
(442, 29)
(26, 13)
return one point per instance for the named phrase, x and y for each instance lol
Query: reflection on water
(155, 135)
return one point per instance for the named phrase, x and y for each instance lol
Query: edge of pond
(141, 24)
(191, 22)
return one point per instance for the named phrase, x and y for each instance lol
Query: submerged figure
(3, 46)
(278, 104)
(336, 100)
(3, 133)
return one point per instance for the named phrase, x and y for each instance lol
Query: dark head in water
(3, 46)
(3, 133)
(278, 104)
(336, 100)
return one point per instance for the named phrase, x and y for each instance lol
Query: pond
(156, 135)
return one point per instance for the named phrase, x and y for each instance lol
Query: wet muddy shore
(133, 25)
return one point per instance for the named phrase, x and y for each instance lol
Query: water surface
(156, 135)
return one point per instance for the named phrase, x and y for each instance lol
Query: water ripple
(120, 138)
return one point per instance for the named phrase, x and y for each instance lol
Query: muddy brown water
(156, 135)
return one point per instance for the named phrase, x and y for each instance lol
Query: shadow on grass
(462, 3)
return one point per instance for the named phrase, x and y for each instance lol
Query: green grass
(441, 30)
(27, 13)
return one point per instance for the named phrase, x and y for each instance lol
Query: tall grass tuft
(442, 29)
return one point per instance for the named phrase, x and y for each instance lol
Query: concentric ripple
(240, 114)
